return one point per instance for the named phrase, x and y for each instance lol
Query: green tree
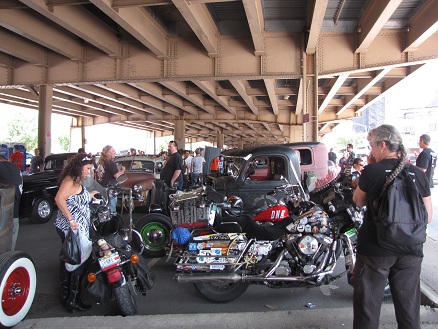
(64, 141)
(356, 140)
(24, 130)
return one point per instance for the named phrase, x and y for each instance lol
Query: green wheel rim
(155, 236)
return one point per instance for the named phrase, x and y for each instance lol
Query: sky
(414, 91)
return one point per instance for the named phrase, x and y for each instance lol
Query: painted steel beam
(139, 24)
(314, 23)
(256, 22)
(422, 25)
(81, 22)
(199, 19)
(34, 29)
(372, 21)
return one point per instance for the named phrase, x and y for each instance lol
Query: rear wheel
(221, 292)
(42, 211)
(17, 287)
(125, 300)
(154, 230)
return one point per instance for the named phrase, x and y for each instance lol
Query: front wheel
(221, 292)
(125, 300)
(17, 287)
(42, 211)
(154, 230)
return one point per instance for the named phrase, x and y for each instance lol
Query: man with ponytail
(376, 264)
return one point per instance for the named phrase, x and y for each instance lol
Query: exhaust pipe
(201, 277)
(234, 277)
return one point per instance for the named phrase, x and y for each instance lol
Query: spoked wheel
(154, 230)
(221, 292)
(17, 287)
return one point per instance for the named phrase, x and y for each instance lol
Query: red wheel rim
(16, 291)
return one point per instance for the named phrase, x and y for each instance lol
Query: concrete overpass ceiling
(224, 66)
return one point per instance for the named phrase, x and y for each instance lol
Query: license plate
(112, 260)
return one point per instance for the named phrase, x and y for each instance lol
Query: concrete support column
(220, 140)
(310, 96)
(180, 133)
(45, 119)
(295, 134)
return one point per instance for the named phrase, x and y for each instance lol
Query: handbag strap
(389, 180)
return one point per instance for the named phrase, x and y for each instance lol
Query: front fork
(349, 238)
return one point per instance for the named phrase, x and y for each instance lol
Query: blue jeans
(195, 178)
(112, 203)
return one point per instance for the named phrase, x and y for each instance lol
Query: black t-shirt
(105, 174)
(332, 156)
(371, 181)
(427, 160)
(173, 162)
(11, 174)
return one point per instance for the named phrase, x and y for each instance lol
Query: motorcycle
(300, 250)
(193, 210)
(116, 271)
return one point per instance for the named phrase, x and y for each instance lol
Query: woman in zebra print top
(73, 202)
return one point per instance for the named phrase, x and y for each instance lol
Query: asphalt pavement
(306, 318)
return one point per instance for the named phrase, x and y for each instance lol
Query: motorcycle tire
(125, 300)
(155, 231)
(17, 287)
(221, 292)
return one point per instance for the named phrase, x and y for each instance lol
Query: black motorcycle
(117, 272)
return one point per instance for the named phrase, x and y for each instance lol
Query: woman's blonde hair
(104, 157)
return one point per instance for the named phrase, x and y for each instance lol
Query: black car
(39, 189)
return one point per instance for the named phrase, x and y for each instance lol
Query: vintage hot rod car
(251, 173)
(39, 189)
(141, 171)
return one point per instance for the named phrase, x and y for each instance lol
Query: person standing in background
(426, 161)
(350, 159)
(10, 174)
(36, 163)
(17, 158)
(187, 166)
(171, 172)
(332, 156)
(197, 164)
(107, 172)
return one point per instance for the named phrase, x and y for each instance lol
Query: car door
(260, 177)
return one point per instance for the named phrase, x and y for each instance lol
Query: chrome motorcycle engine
(308, 245)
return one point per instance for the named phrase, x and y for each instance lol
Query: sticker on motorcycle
(111, 261)
(217, 267)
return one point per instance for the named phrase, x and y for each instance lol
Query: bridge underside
(255, 71)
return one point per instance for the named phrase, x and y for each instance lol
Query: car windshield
(235, 165)
(137, 165)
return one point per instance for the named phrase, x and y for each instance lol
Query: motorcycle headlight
(137, 188)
